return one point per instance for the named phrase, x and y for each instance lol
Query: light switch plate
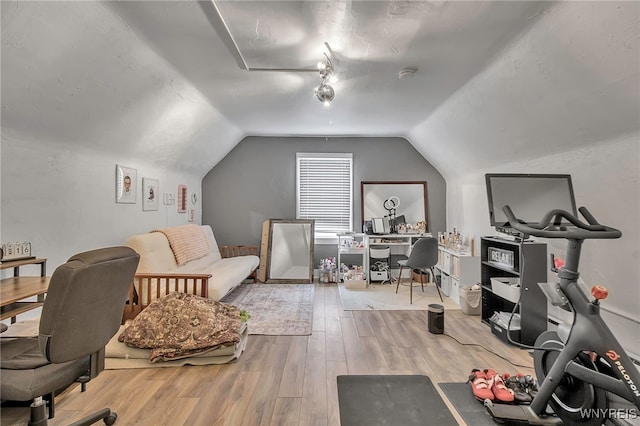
(168, 199)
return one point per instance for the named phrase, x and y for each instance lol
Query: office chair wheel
(573, 396)
(111, 419)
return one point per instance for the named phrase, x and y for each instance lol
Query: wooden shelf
(14, 291)
(17, 308)
(18, 288)
(16, 264)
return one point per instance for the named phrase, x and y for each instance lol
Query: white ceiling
(165, 79)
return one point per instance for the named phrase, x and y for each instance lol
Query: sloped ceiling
(169, 81)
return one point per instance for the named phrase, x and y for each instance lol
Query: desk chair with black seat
(81, 313)
(423, 257)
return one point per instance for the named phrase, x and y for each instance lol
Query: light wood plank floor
(291, 380)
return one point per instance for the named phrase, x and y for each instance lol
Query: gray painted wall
(256, 181)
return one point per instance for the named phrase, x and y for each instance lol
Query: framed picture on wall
(150, 194)
(126, 184)
(183, 193)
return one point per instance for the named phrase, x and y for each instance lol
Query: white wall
(62, 198)
(606, 179)
(563, 98)
(568, 82)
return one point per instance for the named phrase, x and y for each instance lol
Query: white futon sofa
(186, 258)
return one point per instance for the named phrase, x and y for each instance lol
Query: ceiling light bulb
(326, 72)
(325, 93)
(325, 67)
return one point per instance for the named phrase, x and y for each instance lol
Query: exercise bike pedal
(508, 413)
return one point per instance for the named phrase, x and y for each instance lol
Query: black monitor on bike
(530, 196)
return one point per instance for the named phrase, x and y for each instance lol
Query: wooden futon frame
(147, 287)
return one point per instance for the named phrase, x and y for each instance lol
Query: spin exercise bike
(584, 374)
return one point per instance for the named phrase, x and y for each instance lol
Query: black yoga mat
(391, 400)
(470, 409)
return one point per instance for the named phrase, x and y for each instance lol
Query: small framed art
(126, 184)
(150, 194)
(183, 193)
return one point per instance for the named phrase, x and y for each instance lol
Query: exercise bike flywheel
(573, 399)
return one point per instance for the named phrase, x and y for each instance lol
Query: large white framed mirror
(286, 254)
(389, 199)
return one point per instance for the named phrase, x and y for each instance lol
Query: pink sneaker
(497, 386)
(480, 385)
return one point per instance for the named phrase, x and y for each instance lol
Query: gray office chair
(81, 313)
(423, 257)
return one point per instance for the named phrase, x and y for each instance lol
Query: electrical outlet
(168, 199)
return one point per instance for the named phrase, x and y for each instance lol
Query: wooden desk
(14, 290)
(16, 264)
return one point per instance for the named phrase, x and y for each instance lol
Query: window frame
(320, 229)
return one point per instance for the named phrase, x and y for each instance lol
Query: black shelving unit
(529, 264)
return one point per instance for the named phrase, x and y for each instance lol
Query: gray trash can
(436, 318)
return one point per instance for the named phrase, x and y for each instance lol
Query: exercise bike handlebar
(551, 226)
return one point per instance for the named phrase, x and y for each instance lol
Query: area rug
(470, 409)
(391, 400)
(384, 298)
(275, 309)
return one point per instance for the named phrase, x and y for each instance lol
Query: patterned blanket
(188, 242)
(182, 325)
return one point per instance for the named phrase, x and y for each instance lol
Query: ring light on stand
(390, 205)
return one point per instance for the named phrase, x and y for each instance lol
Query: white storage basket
(379, 275)
(506, 287)
(379, 253)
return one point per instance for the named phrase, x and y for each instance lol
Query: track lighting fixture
(325, 92)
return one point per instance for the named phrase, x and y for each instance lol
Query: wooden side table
(16, 264)
(14, 290)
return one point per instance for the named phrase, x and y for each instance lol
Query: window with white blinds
(324, 190)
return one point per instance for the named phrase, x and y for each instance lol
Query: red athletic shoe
(480, 385)
(497, 386)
